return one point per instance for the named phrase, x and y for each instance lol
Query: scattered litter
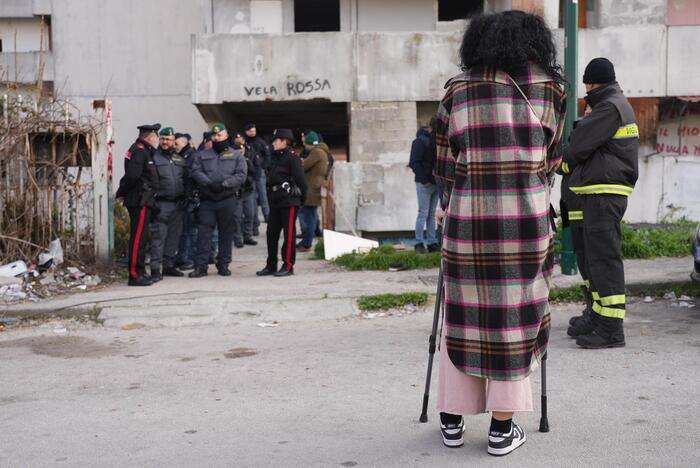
(133, 326)
(397, 267)
(372, 315)
(684, 298)
(48, 279)
(269, 324)
(75, 273)
(12, 292)
(81, 286)
(670, 296)
(92, 280)
(56, 251)
(8, 320)
(60, 330)
(648, 299)
(13, 269)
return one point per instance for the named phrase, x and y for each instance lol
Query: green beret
(218, 127)
(167, 131)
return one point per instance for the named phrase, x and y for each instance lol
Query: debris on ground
(648, 299)
(45, 278)
(269, 324)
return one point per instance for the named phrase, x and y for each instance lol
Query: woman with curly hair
(498, 126)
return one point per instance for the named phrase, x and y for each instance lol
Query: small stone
(648, 299)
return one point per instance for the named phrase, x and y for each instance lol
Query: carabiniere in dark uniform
(137, 189)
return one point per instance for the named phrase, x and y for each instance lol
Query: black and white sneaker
(501, 444)
(452, 434)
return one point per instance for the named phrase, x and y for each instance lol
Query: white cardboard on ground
(336, 244)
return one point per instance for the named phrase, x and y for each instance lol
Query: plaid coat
(495, 157)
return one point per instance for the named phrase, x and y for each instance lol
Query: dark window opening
(452, 10)
(316, 15)
(0, 45)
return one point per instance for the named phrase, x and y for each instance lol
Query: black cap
(283, 133)
(599, 71)
(183, 135)
(149, 128)
(248, 126)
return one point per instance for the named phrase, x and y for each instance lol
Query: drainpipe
(568, 257)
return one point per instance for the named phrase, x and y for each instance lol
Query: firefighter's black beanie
(599, 71)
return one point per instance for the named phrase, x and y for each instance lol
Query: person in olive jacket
(137, 189)
(315, 170)
(219, 173)
(286, 189)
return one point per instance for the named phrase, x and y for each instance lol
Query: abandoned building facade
(363, 73)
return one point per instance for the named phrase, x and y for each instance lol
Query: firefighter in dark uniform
(137, 189)
(286, 190)
(166, 225)
(603, 154)
(219, 173)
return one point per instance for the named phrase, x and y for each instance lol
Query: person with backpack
(422, 163)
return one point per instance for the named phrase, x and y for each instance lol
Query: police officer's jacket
(171, 168)
(261, 148)
(253, 163)
(229, 169)
(285, 167)
(187, 154)
(602, 154)
(140, 179)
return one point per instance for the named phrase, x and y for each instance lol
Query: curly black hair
(508, 41)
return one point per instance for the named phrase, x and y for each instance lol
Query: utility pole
(568, 257)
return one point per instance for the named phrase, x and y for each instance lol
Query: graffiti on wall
(290, 88)
(679, 137)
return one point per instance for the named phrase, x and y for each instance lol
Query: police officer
(258, 146)
(286, 190)
(219, 173)
(137, 189)
(247, 200)
(188, 238)
(166, 224)
(603, 154)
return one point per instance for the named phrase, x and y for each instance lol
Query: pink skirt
(459, 393)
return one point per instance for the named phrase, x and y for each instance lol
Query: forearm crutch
(432, 346)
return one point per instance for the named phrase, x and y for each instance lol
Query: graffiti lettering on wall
(679, 138)
(291, 88)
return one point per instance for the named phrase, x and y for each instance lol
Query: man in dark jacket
(219, 173)
(246, 205)
(258, 146)
(603, 154)
(137, 189)
(166, 225)
(188, 238)
(286, 190)
(422, 162)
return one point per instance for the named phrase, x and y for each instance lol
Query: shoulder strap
(530, 106)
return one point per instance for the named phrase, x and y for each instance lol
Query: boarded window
(453, 10)
(316, 15)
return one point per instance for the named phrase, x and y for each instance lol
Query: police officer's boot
(140, 281)
(172, 271)
(608, 333)
(223, 270)
(589, 306)
(156, 275)
(285, 272)
(267, 271)
(199, 272)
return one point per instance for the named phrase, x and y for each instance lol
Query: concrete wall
(684, 75)
(397, 15)
(278, 67)
(615, 13)
(138, 54)
(26, 32)
(23, 67)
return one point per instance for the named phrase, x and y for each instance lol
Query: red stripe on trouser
(290, 237)
(137, 241)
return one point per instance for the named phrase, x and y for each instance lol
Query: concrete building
(364, 73)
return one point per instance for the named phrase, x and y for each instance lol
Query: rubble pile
(45, 278)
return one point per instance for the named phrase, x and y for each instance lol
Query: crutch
(431, 347)
(544, 421)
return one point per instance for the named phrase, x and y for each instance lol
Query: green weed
(391, 301)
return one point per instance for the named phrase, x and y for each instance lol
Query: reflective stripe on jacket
(602, 153)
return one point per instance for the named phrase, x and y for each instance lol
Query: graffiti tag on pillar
(290, 88)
